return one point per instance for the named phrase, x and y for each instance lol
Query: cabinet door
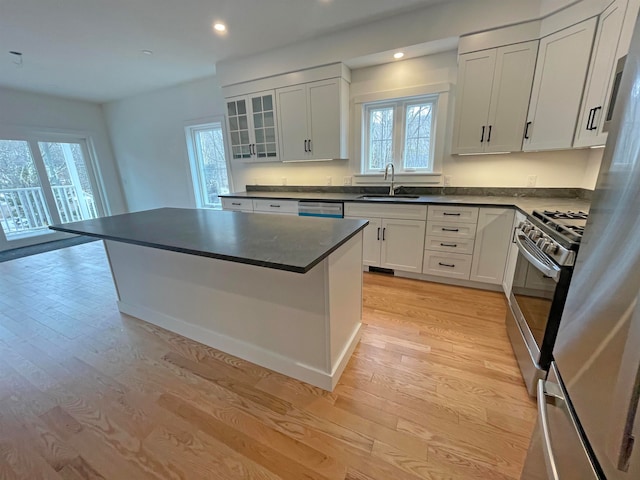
(510, 96)
(292, 122)
(324, 119)
(512, 257)
(402, 245)
(492, 245)
(239, 128)
(597, 90)
(265, 135)
(371, 242)
(561, 70)
(475, 80)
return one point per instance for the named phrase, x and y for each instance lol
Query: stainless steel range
(547, 244)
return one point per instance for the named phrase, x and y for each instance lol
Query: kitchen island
(283, 292)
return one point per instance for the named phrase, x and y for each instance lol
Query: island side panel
(274, 318)
(344, 296)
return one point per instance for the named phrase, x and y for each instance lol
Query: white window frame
(439, 92)
(190, 129)
(34, 135)
(399, 107)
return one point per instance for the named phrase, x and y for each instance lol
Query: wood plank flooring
(431, 392)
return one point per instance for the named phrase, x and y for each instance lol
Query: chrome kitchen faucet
(393, 174)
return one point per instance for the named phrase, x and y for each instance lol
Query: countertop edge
(217, 256)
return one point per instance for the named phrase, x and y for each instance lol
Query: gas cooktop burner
(569, 215)
(569, 225)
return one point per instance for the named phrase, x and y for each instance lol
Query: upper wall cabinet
(600, 80)
(313, 120)
(493, 93)
(251, 122)
(561, 70)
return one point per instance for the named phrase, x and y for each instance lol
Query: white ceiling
(91, 49)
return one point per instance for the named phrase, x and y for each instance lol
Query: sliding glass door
(43, 181)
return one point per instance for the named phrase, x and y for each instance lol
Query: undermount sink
(387, 197)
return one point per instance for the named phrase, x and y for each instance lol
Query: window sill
(418, 178)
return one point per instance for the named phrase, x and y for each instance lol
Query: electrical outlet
(347, 181)
(447, 180)
(531, 181)
(284, 181)
(328, 182)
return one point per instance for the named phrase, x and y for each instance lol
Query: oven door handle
(550, 271)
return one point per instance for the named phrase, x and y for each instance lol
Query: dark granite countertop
(525, 204)
(282, 242)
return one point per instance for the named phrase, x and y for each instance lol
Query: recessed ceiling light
(220, 27)
(147, 52)
(398, 55)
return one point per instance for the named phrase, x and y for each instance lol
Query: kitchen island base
(305, 326)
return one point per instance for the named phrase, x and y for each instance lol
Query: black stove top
(569, 225)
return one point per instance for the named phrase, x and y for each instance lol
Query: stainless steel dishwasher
(321, 209)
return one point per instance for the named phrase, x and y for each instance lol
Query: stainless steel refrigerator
(588, 407)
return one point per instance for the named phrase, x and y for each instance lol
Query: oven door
(535, 282)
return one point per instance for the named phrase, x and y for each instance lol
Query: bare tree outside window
(417, 142)
(400, 132)
(380, 137)
(210, 163)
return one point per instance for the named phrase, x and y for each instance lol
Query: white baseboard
(247, 351)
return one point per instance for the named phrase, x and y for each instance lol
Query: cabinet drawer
(453, 265)
(443, 213)
(451, 230)
(276, 206)
(401, 211)
(240, 204)
(448, 244)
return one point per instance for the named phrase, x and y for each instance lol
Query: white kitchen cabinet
(371, 242)
(494, 87)
(512, 256)
(561, 70)
(491, 245)
(313, 120)
(600, 78)
(394, 238)
(449, 240)
(237, 204)
(402, 245)
(252, 127)
(280, 207)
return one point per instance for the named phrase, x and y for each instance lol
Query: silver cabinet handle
(549, 459)
(452, 245)
(450, 265)
(550, 270)
(236, 203)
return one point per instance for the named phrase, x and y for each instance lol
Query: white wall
(147, 133)
(29, 110)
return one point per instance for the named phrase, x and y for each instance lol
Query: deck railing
(24, 210)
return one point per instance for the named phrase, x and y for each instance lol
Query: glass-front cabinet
(252, 127)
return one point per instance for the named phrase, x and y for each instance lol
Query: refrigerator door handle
(549, 459)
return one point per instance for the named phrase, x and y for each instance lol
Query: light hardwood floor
(432, 391)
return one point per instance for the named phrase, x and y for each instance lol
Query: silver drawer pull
(450, 229)
(453, 245)
(450, 265)
(451, 214)
(234, 203)
(275, 206)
